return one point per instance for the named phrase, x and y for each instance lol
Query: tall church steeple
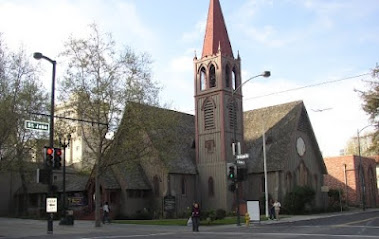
(218, 112)
(216, 35)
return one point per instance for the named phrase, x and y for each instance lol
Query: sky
(321, 44)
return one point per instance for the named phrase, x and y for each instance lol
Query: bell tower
(218, 111)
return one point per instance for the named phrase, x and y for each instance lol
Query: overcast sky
(302, 43)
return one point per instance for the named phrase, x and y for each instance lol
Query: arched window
(203, 76)
(183, 184)
(234, 79)
(211, 189)
(289, 182)
(212, 77)
(209, 122)
(227, 76)
(156, 186)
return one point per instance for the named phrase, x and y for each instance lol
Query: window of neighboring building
(212, 77)
(211, 190)
(209, 122)
(203, 76)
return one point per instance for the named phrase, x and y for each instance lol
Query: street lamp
(64, 143)
(38, 56)
(264, 74)
(362, 178)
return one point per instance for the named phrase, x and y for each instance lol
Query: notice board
(253, 210)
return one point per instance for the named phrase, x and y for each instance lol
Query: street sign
(240, 162)
(34, 125)
(242, 156)
(51, 205)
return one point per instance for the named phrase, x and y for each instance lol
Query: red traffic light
(58, 152)
(49, 151)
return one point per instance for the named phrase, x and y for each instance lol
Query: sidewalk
(16, 228)
(295, 218)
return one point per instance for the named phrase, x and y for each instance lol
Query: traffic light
(242, 174)
(232, 187)
(57, 158)
(232, 174)
(49, 156)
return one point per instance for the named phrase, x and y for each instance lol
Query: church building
(204, 146)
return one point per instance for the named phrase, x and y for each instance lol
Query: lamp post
(361, 176)
(264, 74)
(38, 56)
(65, 142)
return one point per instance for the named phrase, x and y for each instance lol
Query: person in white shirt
(106, 210)
(277, 206)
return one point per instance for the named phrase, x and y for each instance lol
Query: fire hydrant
(247, 219)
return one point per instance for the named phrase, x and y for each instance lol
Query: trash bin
(68, 219)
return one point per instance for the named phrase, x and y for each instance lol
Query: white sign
(51, 205)
(242, 156)
(253, 210)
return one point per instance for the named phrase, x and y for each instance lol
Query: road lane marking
(356, 222)
(291, 234)
(130, 236)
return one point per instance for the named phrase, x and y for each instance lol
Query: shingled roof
(179, 157)
(278, 122)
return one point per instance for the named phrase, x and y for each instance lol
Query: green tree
(100, 81)
(371, 107)
(20, 94)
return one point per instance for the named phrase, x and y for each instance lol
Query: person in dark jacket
(195, 217)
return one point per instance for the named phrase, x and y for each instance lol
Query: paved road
(346, 225)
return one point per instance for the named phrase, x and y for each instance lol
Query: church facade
(197, 170)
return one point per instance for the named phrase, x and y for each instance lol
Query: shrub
(220, 214)
(295, 201)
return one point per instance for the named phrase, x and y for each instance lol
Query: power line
(307, 86)
(298, 88)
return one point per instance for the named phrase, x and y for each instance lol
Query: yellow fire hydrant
(247, 219)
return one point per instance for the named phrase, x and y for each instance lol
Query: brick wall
(343, 174)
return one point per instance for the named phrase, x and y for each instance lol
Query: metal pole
(265, 170)
(264, 74)
(235, 145)
(64, 180)
(51, 143)
(38, 56)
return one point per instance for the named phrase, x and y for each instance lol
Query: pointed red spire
(216, 35)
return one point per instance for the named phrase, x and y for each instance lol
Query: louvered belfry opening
(232, 115)
(209, 122)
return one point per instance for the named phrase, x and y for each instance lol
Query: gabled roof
(216, 35)
(178, 158)
(278, 122)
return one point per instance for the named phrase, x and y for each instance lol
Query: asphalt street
(357, 224)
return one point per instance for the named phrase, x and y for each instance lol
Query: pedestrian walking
(271, 209)
(106, 211)
(195, 217)
(277, 206)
